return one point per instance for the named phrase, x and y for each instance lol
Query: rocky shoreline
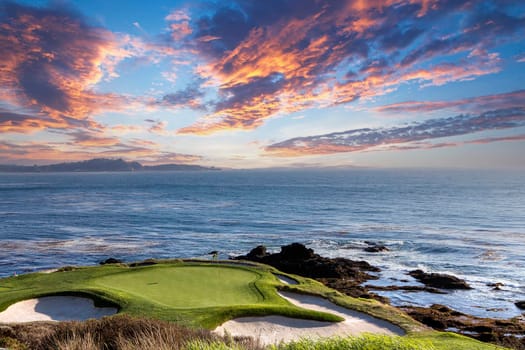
(348, 277)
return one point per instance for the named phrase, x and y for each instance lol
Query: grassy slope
(206, 295)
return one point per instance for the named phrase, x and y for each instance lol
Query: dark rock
(441, 308)
(479, 329)
(520, 304)
(502, 332)
(495, 286)
(486, 337)
(110, 261)
(407, 288)
(434, 323)
(439, 280)
(147, 262)
(503, 323)
(296, 251)
(258, 252)
(213, 252)
(376, 249)
(341, 274)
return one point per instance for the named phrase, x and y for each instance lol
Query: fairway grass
(206, 294)
(187, 286)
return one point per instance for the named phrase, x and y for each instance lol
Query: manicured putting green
(187, 286)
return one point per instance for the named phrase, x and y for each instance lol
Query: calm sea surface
(467, 223)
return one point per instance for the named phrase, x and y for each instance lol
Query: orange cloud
(331, 53)
(51, 61)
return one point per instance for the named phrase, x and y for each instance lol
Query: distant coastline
(101, 164)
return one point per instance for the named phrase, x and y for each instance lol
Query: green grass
(216, 345)
(447, 341)
(434, 341)
(188, 286)
(364, 342)
(192, 293)
(204, 294)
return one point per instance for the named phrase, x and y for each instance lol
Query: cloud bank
(365, 139)
(51, 61)
(267, 58)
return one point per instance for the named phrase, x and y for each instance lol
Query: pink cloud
(51, 61)
(505, 100)
(328, 53)
(396, 137)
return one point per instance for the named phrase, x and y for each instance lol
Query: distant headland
(101, 164)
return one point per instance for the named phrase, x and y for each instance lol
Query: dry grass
(127, 333)
(75, 341)
(111, 333)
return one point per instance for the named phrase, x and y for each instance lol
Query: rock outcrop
(341, 274)
(346, 276)
(110, 261)
(376, 248)
(503, 332)
(439, 280)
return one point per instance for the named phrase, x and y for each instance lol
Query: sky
(256, 84)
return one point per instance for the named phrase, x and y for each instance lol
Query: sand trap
(274, 329)
(286, 280)
(58, 308)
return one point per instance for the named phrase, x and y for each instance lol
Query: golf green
(187, 286)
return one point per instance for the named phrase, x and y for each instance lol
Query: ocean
(462, 222)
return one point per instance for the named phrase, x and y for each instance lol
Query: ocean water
(466, 223)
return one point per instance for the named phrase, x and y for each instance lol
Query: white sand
(286, 280)
(274, 329)
(58, 308)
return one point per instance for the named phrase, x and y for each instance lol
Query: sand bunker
(58, 308)
(286, 280)
(274, 329)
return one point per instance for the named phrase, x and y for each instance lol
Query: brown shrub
(109, 333)
(119, 332)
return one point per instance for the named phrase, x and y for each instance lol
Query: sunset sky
(264, 83)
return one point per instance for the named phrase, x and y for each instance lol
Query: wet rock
(110, 261)
(258, 252)
(296, 251)
(407, 288)
(496, 285)
(520, 304)
(507, 333)
(434, 323)
(376, 248)
(439, 280)
(479, 329)
(341, 274)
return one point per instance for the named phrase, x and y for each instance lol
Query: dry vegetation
(115, 333)
(128, 333)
